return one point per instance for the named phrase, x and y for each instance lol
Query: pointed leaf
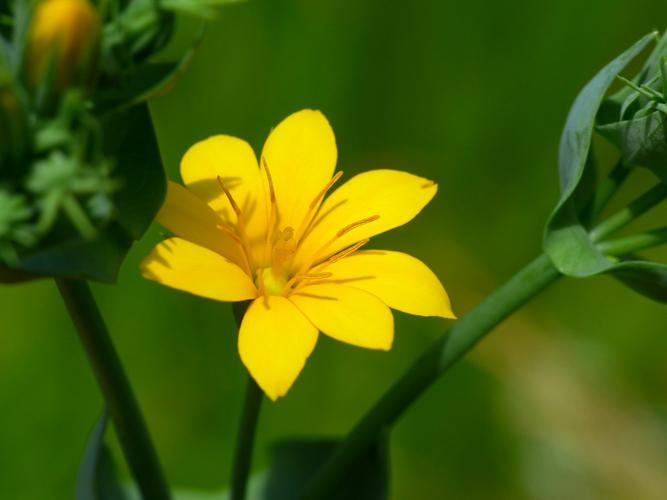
(97, 477)
(566, 241)
(642, 141)
(645, 277)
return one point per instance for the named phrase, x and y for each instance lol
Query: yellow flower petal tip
(280, 230)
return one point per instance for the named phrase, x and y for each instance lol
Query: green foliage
(84, 162)
(97, 479)
(642, 141)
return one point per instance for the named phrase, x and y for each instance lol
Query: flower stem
(608, 188)
(245, 440)
(121, 403)
(635, 242)
(635, 209)
(246, 435)
(446, 351)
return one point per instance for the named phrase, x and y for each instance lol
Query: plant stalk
(625, 216)
(446, 351)
(245, 440)
(120, 400)
(635, 242)
(246, 436)
(608, 188)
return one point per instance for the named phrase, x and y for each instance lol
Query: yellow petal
(234, 161)
(399, 280)
(395, 196)
(301, 156)
(347, 314)
(189, 218)
(179, 264)
(275, 340)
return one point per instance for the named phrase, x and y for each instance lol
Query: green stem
(446, 351)
(634, 243)
(246, 435)
(635, 209)
(245, 440)
(121, 403)
(608, 188)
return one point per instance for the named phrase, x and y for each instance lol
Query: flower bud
(63, 44)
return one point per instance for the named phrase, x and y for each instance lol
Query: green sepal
(65, 253)
(566, 240)
(129, 138)
(642, 141)
(144, 82)
(97, 479)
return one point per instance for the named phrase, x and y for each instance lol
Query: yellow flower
(65, 34)
(269, 234)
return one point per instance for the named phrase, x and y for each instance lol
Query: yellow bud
(63, 42)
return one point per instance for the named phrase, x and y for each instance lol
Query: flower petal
(275, 340)
(301, 155)
(347, 314)
(234, 161)
(395, 196)
(179, 264)
(399, 280)
(189, 218)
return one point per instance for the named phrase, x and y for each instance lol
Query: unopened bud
(63, 43)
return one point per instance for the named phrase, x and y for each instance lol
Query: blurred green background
(567, 400)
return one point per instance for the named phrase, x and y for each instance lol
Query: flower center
(269, 282)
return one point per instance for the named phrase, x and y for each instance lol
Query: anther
(344, 253)
(326, 188)
(357, 224)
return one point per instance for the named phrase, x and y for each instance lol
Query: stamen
(273, 211)
(316, 276)
(326, 188)
(262, 288)
(229, 233)
(314, 208)
(243, 236)
(297, 279)
(357, 224)
(344, 253)
(235, 207)
(239, 242)
(272, 191)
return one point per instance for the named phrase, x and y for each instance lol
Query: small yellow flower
(269, 234)
(65, 34)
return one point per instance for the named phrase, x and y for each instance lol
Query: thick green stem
(635, 242)
(460, 339)
(121, 403)
(246, 435)
(625, 216)
(245, 440)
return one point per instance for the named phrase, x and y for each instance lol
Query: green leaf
(129, 138)
(645, 277)
(97, 474)
(566, 240)
(98, 259)
(145, 82)
(642, 141)
(296, 462)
